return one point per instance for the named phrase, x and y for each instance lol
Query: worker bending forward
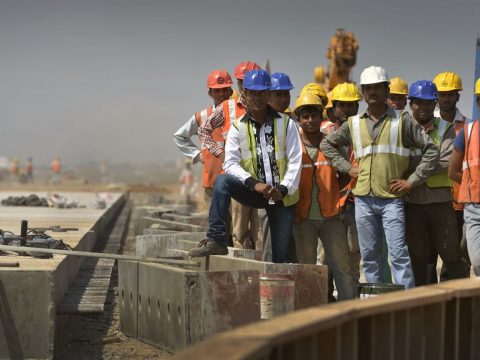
(318, 211)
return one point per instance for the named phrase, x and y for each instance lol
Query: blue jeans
(370, 212)
(280, 217)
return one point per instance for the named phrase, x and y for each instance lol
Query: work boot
(208, 247)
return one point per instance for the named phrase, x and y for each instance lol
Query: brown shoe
(208, 247)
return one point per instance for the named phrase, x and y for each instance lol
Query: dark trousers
(280, 217)
(433, 225)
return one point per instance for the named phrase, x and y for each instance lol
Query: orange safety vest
(470, 186)
(324, 174)
(328, 127)
(456, 187)
(56, 166)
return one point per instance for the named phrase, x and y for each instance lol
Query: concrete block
(177, 307)
(158, 245)
(150, 231)
(128, 294)
(27, 314)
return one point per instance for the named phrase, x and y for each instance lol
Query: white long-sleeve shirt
(293, 154)
(183, 139)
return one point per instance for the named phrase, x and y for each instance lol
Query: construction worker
(245, 222)
(29, 170)
(219, 84)
(345, 100)
(280, 92)
(262, 170)
(318, 210)
(449, 85)
(14, 169)
(381, 138)
(56, 166)
(397, 97)
(429, 217)
(465, 170)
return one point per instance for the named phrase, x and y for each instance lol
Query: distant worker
(262, 170)
(187, 181)
(397, 97)
(381, 138)
(56, 167)
(449, 85)
(219, 84)
(29, 170)
(429, 216)
(245, 222)
(465, 170)
(319, 208)
(14, 169)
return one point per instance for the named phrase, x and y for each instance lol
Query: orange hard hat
(219, 79)
(245, 67)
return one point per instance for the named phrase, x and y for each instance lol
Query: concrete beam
(184, 307)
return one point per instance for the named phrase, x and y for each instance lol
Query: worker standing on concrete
(318, 210)
(345, 102)
(219, 84)
(262, 170)
(14, 169)
(29, 170)
(429, 217)
(381, 139)
(397, 97)
(245, 222)
(449, 85)
(465, 170)
(56, 166)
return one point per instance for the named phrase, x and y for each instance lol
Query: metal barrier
(440, 321)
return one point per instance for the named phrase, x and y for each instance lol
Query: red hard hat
(219, 79)
(245, 67)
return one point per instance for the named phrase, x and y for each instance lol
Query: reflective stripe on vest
(381, 159)
(248, 150)
(470, 186)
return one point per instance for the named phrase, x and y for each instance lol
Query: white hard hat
(373, 75)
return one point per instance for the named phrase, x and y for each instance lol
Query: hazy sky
(113, 79)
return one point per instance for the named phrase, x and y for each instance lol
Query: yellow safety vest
(381, 159)
(248, 150)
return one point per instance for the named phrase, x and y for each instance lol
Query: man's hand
(353, 172)
(399, 186)
(222, 157)
(263, 189)
(275, 194)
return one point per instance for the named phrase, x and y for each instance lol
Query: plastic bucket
(277, 295)
(368, 290)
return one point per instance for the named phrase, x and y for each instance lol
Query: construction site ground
(98, 336)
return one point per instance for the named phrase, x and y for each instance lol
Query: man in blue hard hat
(263, 159)
(429, 215)
(280, 92)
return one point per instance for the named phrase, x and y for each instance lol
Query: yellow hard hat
(345, 92)
(315, 89)
(234, 94)
(308, 100)
(477, 87)
(448, 81)
(398, 86)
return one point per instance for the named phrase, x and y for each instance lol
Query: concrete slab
(177, 307)
(33, 290)
(128, 295)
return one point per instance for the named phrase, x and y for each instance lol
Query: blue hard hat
(258, 79)
(280, 81)
(423, 89)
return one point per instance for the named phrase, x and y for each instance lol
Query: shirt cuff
(415, 180)
(251, 182)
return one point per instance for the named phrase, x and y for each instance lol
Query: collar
(429, 127)
(458, 115)
(389, 112)
(271, 114)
